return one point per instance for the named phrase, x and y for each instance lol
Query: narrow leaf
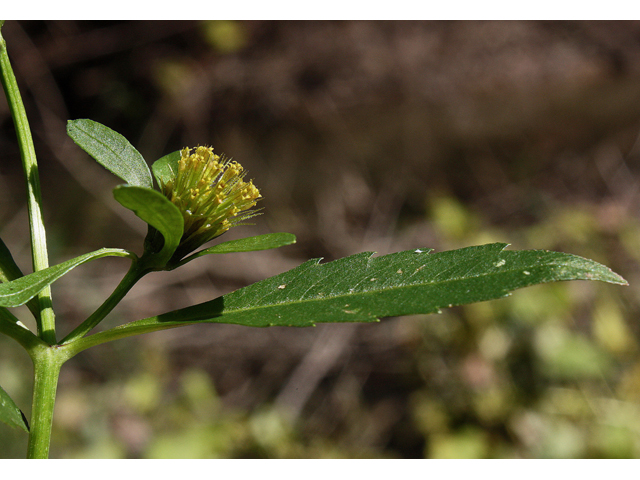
(10, 413)
(111, 150)
(249, 244)
(21, 290)
(155, 209)
(8, 268)
(166, 168)
(361, 288)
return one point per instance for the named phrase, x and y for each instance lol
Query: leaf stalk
(137, 270)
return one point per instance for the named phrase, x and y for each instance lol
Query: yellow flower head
(210, 192)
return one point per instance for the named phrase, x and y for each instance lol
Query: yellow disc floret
(210, 192)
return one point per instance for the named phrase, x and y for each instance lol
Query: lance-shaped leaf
(362, 288)
(9, 270)
(111, 150)
(249, 244)
(21, 290)
(155, 209)
(10, 413)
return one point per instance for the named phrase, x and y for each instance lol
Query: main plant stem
(46, 363)
(46, 359)
(46, 319)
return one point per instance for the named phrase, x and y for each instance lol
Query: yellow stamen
(210, 192)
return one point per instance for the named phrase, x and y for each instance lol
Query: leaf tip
(619, 280)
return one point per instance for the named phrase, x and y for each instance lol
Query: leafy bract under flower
(211, 194)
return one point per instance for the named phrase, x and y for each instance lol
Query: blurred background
(362, 136)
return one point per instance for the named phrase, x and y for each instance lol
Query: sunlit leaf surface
(21, 290)
(155, 209)
(249, 244)
(362, 287)
(111, 150)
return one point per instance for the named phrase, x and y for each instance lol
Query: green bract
(161, 216)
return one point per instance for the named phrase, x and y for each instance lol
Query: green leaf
(8, 268)
(155, 209)
(166, 168)
(252, 244)
(361, 288)
(21, 290)
(249, 244)
(111, 150)
(10, 413)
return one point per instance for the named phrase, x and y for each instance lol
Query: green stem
(47, 361)
(46, 319)
(119, 332)
(135, 273)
